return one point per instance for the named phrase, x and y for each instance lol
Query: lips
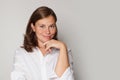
(47, 37)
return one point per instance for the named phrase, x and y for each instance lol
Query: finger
(46, 43)
(47, 47)
(49, 50)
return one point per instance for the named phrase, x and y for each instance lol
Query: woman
(42, 56)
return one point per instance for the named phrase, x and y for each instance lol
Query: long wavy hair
(30, 39)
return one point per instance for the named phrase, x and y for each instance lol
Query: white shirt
(35, 66)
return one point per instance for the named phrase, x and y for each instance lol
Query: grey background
(91, 28)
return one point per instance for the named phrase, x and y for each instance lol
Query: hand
(53, 44)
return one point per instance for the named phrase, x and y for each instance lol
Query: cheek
(54, 31)
(39, 31)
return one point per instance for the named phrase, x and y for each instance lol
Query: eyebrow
(49, 25)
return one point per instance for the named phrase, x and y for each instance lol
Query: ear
(33, 27)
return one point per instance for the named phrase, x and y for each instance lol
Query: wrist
(63, 46)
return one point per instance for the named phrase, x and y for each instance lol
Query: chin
(47, 40)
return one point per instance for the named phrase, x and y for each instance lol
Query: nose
(47, 30)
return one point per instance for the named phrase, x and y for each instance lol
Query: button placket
(43, 66)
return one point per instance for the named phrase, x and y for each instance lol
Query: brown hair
(30, 39)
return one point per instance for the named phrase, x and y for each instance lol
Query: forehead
(47, 20)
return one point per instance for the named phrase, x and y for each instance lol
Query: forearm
(62, 63)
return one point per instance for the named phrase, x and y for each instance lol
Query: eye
(42, 26)
(53, 26)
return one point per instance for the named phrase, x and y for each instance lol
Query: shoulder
(20, 54)
(69, 51)
(70, 55)
(20, 51)
(57, 51)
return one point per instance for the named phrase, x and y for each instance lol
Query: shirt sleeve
(68, 74)
(18, 72)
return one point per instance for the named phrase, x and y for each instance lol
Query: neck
(40, 44)
(43, 51)
(42, 48)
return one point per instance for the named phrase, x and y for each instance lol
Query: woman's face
(45, 29)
